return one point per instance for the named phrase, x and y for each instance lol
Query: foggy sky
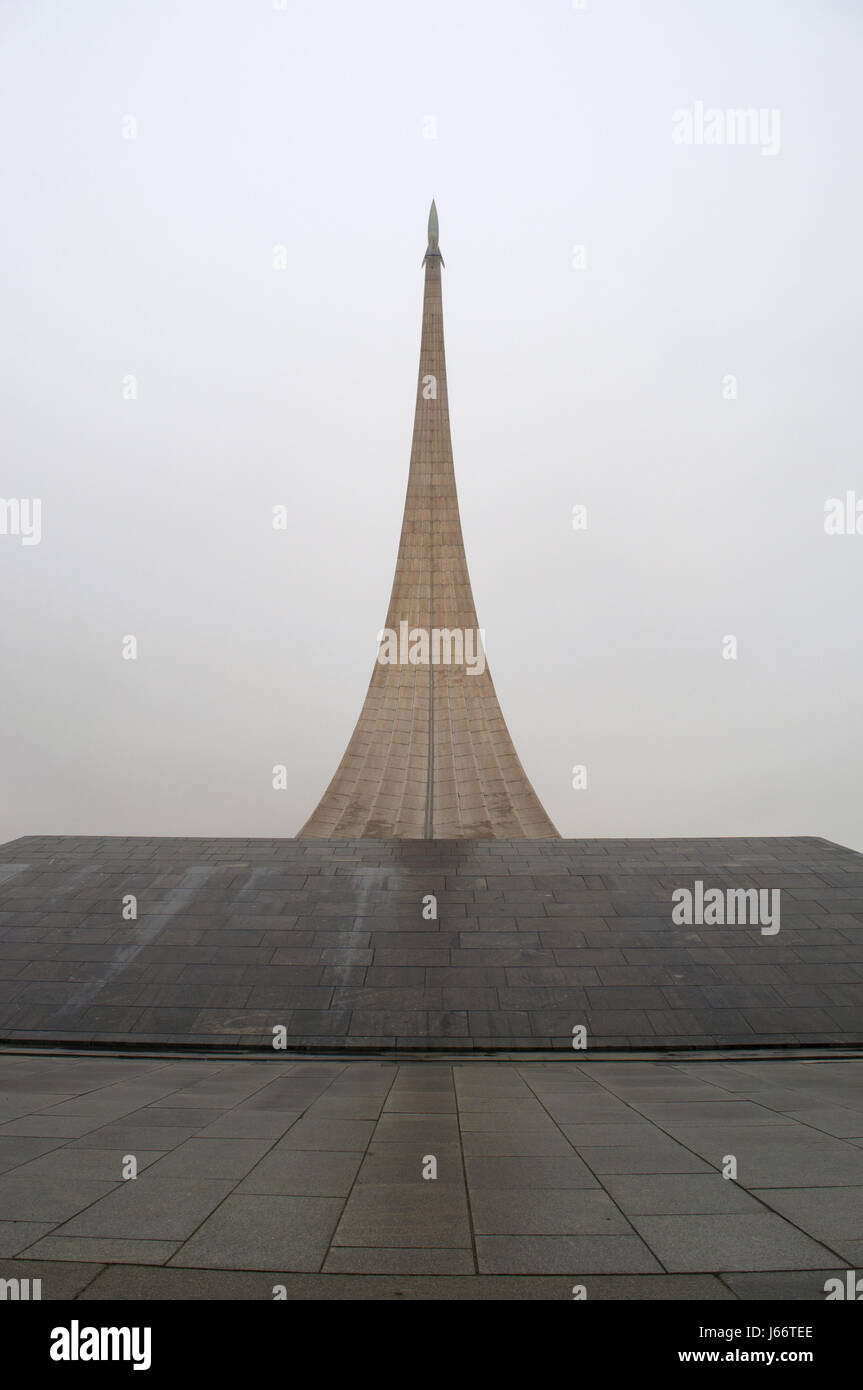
(308, 128)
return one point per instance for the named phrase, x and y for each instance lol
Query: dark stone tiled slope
(328, 939)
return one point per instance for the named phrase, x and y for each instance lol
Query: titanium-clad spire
(431, 756)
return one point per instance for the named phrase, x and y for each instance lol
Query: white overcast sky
(306, 127)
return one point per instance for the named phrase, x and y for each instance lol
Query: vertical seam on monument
(429, 820)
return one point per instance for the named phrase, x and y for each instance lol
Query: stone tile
(103, 1251)
(519, 1117)
(149, 1208)
(837, 1120)
(714, 1112)
(421, 1102)
(212, 1158)
(16, 1151)
(781, 1156)
(392, 1163)
(502, 1173)
(48, 1126)
(830, 1214)
(408, 1131)
(134, 1283)
(137, 1283)
(659, 1194)
(405, 1215)
(302, 1173)
(330, 1135)
(16, 1236)
(517, 1143)
(24, 1198)
(193, 1116)
(574, 1256)
(782, 1286)
(271, 1232)
(729, 1242)
(363, 1260)
(657, 1287)
(101, 1165)
(347, 1107)
(242, 1123)
(131, 1136)
(599, 1135)
(653, 1156)
(544, 1212)
(851, 1250)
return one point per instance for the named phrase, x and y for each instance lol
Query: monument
(428, 902)
(431, 756)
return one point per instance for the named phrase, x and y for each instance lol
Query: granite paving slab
(331, 1198)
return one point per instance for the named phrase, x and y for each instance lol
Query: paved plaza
(428, 1130)
(256, 1172)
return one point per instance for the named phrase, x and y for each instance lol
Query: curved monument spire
(431, 756)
